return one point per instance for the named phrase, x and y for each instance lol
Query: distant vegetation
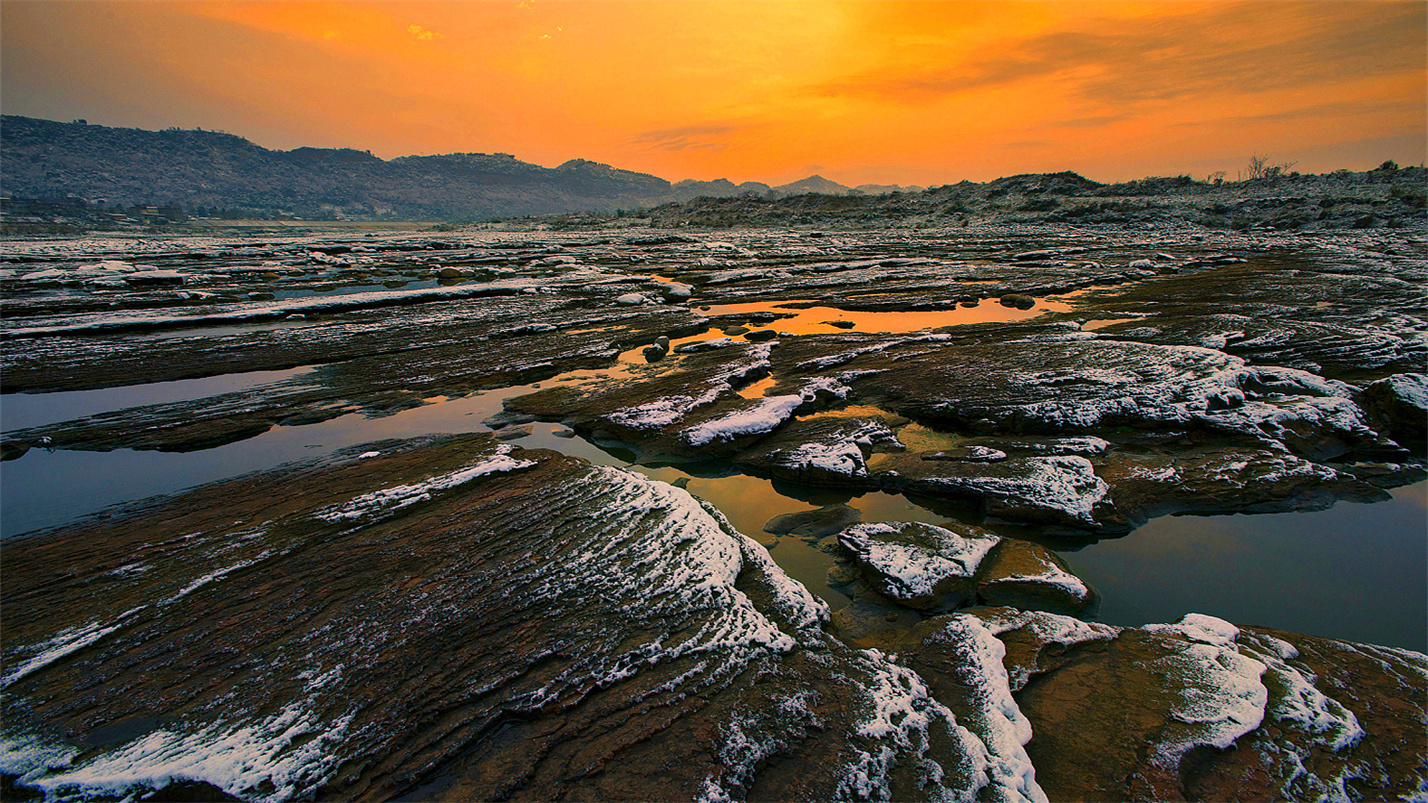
(62, 176)
(1384, 197)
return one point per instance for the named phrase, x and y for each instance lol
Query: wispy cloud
(1230, 49)
(713, 137)
(1319, 112)
(422, 34)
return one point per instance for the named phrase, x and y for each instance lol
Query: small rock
(259, 296)
(632, 299)
(9, 450)
(515, 432)
(674, 291)
(654, 352)
(1026, 575)
(506, 418)
(814, 524)
(735, 330)
(841, 324)
(450, 273)
(840, 574)
(760, 335)
(1017, 300)
(563, 432)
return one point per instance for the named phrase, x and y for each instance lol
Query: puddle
(758, 389)
(1354, 571)
(1101, 323)
(817, 320)
(24, 410)
(349, 289)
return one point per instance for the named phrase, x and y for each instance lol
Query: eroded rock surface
(461, 618)
(458, 618)
(1197, 710)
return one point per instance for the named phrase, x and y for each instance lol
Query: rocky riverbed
(634, 514)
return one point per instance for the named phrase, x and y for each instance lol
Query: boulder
(1401, 401)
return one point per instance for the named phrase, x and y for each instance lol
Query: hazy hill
(815, 184)
(212, 172)
(205, 169)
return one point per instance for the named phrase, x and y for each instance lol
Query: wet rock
(919, 565)
(346, 628)
(1222, 480)
(760, 335)
(1059, 383)
(1061, 490)
(934, 569)
(451, 273)
(676, 291)
(632, 299)
(10, 450)
(1197, 710)
(1401, 401)
(825, 450)
(654, 352)
(1026, 575)
(841, 575)
(736, 330)
(508, 418)
(687, 408)
(842, 324)
(512, 433)
(814, 524)
(1017, 300)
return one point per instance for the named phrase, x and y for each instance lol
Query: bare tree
(1258, 166)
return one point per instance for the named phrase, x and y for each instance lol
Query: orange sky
(771, 90)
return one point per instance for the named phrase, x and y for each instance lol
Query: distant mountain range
(209, 172)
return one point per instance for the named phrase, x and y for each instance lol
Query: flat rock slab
(454, 617)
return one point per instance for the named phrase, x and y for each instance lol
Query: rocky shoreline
(470, 616)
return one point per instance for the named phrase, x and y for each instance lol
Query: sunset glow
(923, 93)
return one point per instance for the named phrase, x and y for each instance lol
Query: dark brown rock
(454, 616)
(1199, 710)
